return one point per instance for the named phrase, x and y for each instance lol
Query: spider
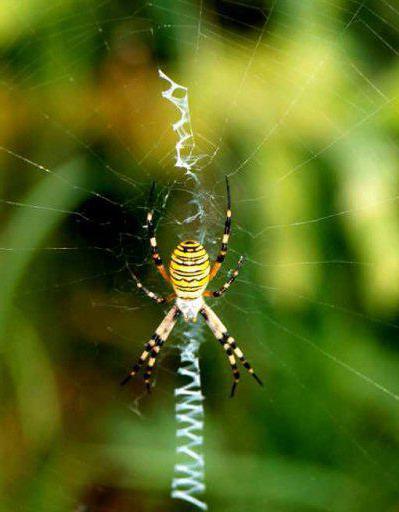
(189, 274)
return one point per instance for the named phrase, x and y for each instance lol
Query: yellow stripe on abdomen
(189, 269)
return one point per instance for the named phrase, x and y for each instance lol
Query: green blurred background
(300, 99)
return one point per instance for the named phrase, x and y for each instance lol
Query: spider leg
(225, 239)
(238, 352)
(150, 365)
(233, 366)
(152, 347)
(153, 241)
(217, 328)
(221, 334)
(156, 298)
(226, 286)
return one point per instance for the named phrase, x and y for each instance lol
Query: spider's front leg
(233, 365)
(153, 347)
(228, 342)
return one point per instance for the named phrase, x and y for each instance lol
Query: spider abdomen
(189, 269)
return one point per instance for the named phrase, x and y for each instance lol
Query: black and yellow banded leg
(157, 340)
(238, 352)
(150, 365)
(227, 284)
(142, 359)
(233, 364)
(155, 297)
(153, 241)
(226, 235)
(221, 334)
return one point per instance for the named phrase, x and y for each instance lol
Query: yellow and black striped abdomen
(189, 269)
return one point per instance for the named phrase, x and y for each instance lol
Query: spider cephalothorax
(189, 274)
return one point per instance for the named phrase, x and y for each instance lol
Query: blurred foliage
(301, 98)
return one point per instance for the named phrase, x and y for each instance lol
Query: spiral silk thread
(189, 472)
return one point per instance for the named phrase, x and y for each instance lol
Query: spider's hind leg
(226, 235)
(153, 240)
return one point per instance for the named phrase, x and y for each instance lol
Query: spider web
(297, 104)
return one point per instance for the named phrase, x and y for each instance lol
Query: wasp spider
(189, 274)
